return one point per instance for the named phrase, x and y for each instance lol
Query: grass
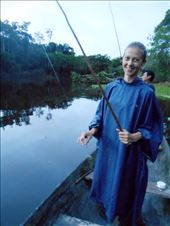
(162, 91)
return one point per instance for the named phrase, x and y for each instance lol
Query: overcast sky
(91, 21)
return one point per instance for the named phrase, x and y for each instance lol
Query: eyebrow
(136, 58)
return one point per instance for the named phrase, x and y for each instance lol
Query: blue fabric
(120, 174)
(151, 86)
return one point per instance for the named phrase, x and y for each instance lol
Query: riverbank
(162, 90)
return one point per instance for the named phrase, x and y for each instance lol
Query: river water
(39, 128)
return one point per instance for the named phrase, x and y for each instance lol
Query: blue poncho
(120, 175)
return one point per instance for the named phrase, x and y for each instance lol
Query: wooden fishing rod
(91, 69)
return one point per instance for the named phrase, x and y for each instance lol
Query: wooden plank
(62, 198)
(65, 220)
(151, 187)
(89, 177)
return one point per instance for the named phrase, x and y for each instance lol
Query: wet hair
(149, 73)
(140, 46)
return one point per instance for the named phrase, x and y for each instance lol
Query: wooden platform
(151, 188)
(65, 220)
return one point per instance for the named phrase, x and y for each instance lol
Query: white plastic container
(161, 185)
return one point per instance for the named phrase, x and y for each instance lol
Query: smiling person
(121, 173)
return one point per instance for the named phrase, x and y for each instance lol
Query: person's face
(132, 61)
(145, 77)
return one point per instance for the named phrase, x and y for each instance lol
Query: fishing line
(40, 38)
(114, 25)
(56, 76)
(90, 68)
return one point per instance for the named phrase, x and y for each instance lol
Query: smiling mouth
(130, 69)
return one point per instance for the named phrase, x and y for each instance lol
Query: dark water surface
(39, 128)
(38, 156)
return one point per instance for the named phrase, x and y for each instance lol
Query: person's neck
(129, 79)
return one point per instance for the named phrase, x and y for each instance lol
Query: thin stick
(91, 69)
(83, 176)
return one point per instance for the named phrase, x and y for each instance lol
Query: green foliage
(159, 53)
(65, 48)
(162, 90)
(20, 52)
(99, 62)
(51, 47)
(62, 62)
(8, 63)
(79, 65)
(75, 77)
(116, 67)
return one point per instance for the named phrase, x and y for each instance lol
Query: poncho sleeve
(97, 121)
(151, 128)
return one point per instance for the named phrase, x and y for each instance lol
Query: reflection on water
(36, 157)
(39, 130)
(38, 144)
(19, 103)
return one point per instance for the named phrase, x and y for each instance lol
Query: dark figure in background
(148, 77)
(121, 173)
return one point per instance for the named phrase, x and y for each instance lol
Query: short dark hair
(149, 73)
(140, 46)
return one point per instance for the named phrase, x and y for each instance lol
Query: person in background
(148, 77)
(121, 173)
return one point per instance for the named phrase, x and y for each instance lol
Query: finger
(124, 142)
(80, 140)
(84, 139)
(88, 139)
(124, 139)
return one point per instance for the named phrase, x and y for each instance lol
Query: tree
(15, 45)
(65, 49)
(159, 53)
(115, 67)
(99, 62)
(51, 47)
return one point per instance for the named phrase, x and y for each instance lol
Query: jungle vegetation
(22, 55)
